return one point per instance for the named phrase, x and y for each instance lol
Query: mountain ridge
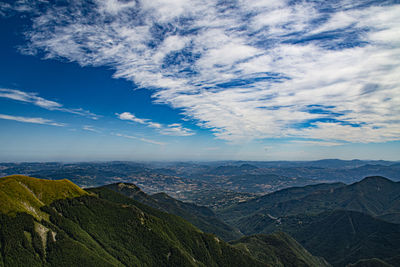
(343, 224)
(19, 193)
(200, 216)
(363, 196)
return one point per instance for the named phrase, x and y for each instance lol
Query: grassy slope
(20, 193)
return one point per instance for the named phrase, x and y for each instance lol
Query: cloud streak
(245, 70)
(174, 129)
(31, 120)
(141, 139)
(90, 129)
(32, 98)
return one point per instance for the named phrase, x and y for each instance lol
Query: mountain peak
(375, 179)
(19, 193)
(128, 186)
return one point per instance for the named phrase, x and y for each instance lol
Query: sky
(88, 80)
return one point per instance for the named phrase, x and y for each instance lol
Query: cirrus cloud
(245, 70)
(32, 98)
(31, 120)
(146, 140)
(174, 129)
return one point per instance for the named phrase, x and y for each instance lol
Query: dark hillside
(202, 217)
(278, 249)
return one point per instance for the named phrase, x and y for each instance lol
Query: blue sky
(199, 80)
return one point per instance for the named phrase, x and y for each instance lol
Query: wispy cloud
(174, 129)
(31, 120)
(325, 70)
(140, 139)
(91, 129)
(36, 100)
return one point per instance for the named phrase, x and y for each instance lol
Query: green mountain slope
(202, 217)
(343, 224)
(20, 193)
(105, 230)
(341, 237)
(278, 249)
(137, 235)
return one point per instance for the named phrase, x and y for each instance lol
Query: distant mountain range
(376, 196)
(342, 223)
(193, 181)
(267, 202)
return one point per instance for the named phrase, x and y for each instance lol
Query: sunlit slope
(20, 193)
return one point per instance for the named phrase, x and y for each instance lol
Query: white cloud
(28, 97)
(155, 125)
(43, 103)
(251, 70)
(130, 117)
(114, 6)
(361, 134)
(175, 129)
(90, 129)
(141, 139)
(30, 120)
